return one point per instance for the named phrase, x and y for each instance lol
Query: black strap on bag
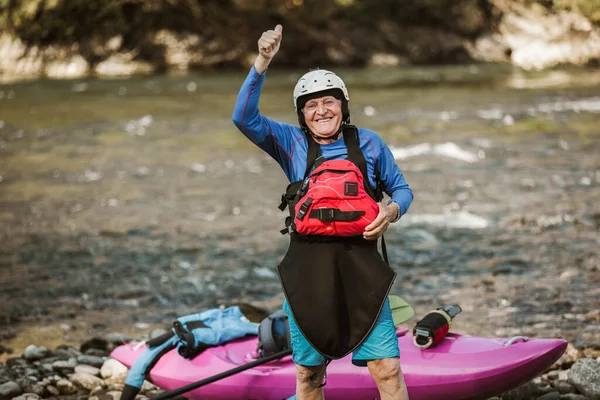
(271, 339)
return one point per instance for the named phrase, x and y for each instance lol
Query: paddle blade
(401, 310)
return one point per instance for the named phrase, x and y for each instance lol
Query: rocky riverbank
(88, 372)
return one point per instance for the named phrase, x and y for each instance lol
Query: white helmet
(318, 80)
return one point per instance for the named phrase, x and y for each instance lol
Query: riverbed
(127, 202)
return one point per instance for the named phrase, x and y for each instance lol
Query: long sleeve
(394, 183)
(275, 138)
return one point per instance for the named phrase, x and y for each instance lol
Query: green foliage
(314, 29)
(589, 8)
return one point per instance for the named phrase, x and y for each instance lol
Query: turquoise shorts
(382, 342)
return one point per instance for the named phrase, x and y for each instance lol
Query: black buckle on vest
(304, 208)
(283, 203)
(326, 214)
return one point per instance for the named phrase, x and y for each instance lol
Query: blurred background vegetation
(223, 33)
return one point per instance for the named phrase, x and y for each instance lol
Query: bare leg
(304, 391)
(388, 378)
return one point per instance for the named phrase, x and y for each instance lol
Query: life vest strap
(335, 214)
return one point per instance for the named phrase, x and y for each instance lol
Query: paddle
(222, 375)
(401, 312)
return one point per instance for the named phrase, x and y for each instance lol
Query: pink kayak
(460, 367)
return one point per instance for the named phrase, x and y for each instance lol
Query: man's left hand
(387, 213)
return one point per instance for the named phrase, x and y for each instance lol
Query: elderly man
(335, 281)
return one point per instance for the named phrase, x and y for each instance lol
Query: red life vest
(335, 202)
(334, 199)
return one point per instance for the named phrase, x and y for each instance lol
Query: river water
(126, 202)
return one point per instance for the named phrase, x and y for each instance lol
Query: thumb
(279, 28)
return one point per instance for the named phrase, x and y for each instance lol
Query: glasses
(313, 105)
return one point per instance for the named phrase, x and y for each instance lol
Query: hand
(268, 46)
(387, 213)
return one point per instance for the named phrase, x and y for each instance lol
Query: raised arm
(275, 138)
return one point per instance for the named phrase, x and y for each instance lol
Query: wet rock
(65, 353)
(550, 396)
(27, 396)
(116, 339)
(86, 381)
(114, 394)
(591, 353)
(569, 357)
(94, 361)
(564, 387)
(87, 369)
(552, 375)
(65, 386)
(528, 390)
(113, 369)
(30, 385)
(573, 396)
(9, 390)
(33, 353)
(16, 363)
(94, 343)
(64, 366)
(52, 390)
(585, 376)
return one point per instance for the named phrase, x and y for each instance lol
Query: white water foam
(460, 219)
(591, 104)
(449, 150)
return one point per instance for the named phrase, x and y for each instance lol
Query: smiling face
(323, 116)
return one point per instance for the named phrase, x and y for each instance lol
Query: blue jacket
(287, 144)
(220, 326)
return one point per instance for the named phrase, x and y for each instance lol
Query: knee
(386, 369)
(305, 374)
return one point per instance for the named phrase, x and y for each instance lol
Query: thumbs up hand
(268, 44)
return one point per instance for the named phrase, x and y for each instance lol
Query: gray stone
(116, 395)
(46, 367)
(94, 361)
(27, 396)
(15, 363)
(569, 357)
(65, 387)
(564, 387)
(550, 396)
(115, 386)
(62, 366)
(116, 338)
(157, 332)
(88, 369)
(33, 352)
(52, 390)
(86, 381)
(66, 353)
(552, 375)
(545, 389)
(9, 390)
(526, 391)
(97, 343)
(113, 369)
(573, 396)
(585, 376)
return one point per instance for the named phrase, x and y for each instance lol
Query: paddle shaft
(222, 375)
